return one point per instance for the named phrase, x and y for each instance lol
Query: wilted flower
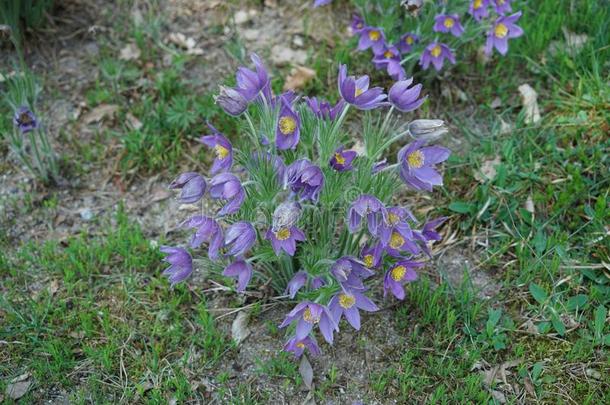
(448, 23)
(369, 207)
(288, 128)
(297, 346)
(418, 165)
(347, 303)
(436, 53)
(240, 270)
(192, 185)
(427, 130)
(349, 272)
(251, 83)
(231, 101)
(342, 159)
(226, 186)
(208, 230)
(285, 239)
(286, 215)
(25, 120)
(323, 109)
(502, 6)
(296, 283)
(181, 264)
(356, 91)
(478, 9)
(503, 29)
(222, 148)
(428, 233)
(405, 98)
(405, 44)
(399, 274)
(307, 314)
(240, 237)
(371, 37)
(305, 179)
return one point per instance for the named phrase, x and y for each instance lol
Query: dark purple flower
(405, 44)
(285, 239)
(356, 91)
(25, 120)
(288, 128)
(357, 24)
(231, 101)
(307, 314)
(342, 159)
(389, 59)
(347, 303)
(371, 37)
(222, 148)
(209, 231)
(350, 272)
(226, 186)
(181, 264)
(296, 283)
(399, 274)
(286, 215)
(405, 98)
(323, 109)
(448, 23)
(371, 256)
(502, 6)
(417, 165)
(240, 270)
(478, 9)
(369, 207)
(251, 83)
(503, 29)
(239, 238)
(436, 53)
(192, 185)
(297, 346)
(305, 179)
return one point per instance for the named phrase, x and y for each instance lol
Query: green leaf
(538, 293)
(539, 242)
(600, 321)
(577, 302)
(558, 325)
(461, 207)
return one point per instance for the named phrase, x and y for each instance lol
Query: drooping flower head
(241, 271)
(478, 9)
(222, 148)
(286, 215)
(369, 207)
(348, 303)
(305, 179)
(417, 165)
(405, 97)
(288, 128)
(323, 109)
(448, 23)
(357, 24)
(429, 234)
(502, 6)
(231, 101)
(297, 282)
(226, 186)
(356, 92)
(25, 120)
(181, 264)
(342, 159)
(371, 37)
(193, 187)
(349, 272)
(400, 273)
(436, 53)
(389, 59)
(297, 347)
(503, 29)
(285, 239)
(239, 238)
(307, 314)
(406, 42)
(252, 83)
(208, 231)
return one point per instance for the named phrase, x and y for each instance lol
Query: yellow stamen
(477, 4)
(282, 234)
(309, 318)
(436, 51)
(398, 273)
(388, 54)
(346, 301)
(449, 23)
(500, 31)
(301, 345)
(221, 151)
(287, 125)
(396, 240)
(368, 260)
(358, 92)
(409, 40)
(339, 158)
(415, 159)
(374, 35)
(393, 218)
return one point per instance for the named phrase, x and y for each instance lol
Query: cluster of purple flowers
(393, 241)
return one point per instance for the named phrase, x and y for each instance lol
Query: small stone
(86, 214)
(298, 41)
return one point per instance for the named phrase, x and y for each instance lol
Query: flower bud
(427, 130)
(286, 215)
(231, 101)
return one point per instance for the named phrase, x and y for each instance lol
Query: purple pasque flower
(231, 101)
(396, 216)
(307, 314)
(417, 165)
(356, 92)
(371, 37)
(390, 60)
(297, 282)
(369, 207)
(371, 256)
(406, 42)
(317, 282)
(305, 179)
(181, 264)
(428, 233)
(318, 3)
(503, 29)
(251, 83)
(436, 53)
(222, 148)
(297, 347)
(208, 230)
(239, 238)
(25, 120)
(288, 128)
(478, 9)
(286, 215)
(448, 23)
(192, 185)
(240, 270)
(349, 272)
(400, 239)
(225, 186)
(342, 159)
(347, 303)
(323, 109)
(502, 6)
(400, 273)
(285, 239)
(357, 24)
(405, 97)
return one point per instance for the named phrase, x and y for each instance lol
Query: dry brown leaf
(239, 328)
(133, 122)
(100, 112)
(184, 42)
(18, 386)
(529, 204)
(529, 99)
(53, 287)
(488, 170)
(298, 78)
(130, 52)
(160, 193)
